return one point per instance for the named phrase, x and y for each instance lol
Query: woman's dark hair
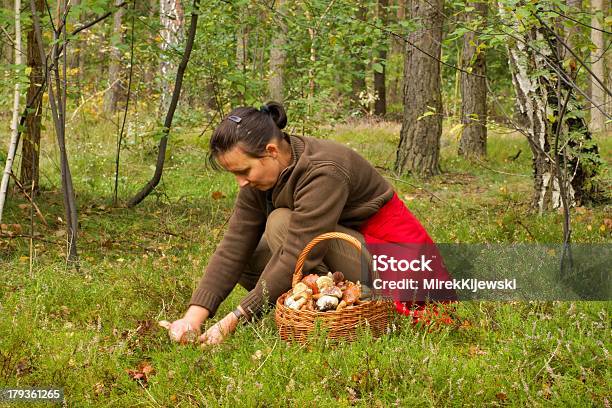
(249, 127)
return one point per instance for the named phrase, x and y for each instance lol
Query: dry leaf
(142, 374)
(98, 388)
(501, 396)
(465, 325)
(217, 195)
(476, 351)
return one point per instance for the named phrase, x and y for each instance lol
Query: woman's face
(258, 172)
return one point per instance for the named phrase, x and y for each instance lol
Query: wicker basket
(296, 325)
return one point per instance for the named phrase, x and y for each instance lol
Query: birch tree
(598, 59)
(565, 158)
(172, 19)
(15, 119)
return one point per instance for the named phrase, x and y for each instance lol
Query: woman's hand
(187, 329)
(217, 333)
(183, 331)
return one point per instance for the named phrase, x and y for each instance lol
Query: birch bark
(15, 119)
(172, 18)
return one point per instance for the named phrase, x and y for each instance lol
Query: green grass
(83, 330)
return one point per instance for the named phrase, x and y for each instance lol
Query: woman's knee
(277, 226)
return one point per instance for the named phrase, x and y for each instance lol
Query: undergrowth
(83, 330)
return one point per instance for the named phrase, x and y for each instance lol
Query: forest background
(491, 119)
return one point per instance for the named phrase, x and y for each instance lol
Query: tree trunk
(473, 141)
(419, 146)
(540, 96)
(242, 44)
(358, 83)
(598, 96)
(277, 56)
(380, 105)
(76, 60)
(176, 92)
(30, 147)
(111, 97)
(56, 86)
(15, 120)
(172, 18)
(6, 48)
(397, 47)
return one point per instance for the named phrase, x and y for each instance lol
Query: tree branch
(148, 188)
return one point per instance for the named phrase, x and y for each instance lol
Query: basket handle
(297, 275)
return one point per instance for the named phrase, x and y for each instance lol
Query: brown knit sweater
(326, 184)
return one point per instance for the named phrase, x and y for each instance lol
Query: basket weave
(296, 325)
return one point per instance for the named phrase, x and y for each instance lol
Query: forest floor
(84, 331)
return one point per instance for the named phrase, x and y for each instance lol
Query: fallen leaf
(142, 373)
(217, 195)
(581, 210)
(501, 396)
(476, 351)
(98, 388)
(546, 391)
(352, 397)
(465, 325)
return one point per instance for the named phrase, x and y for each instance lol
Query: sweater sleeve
(318, 203)
(244, 231)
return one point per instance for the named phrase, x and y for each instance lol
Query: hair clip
(235, 118)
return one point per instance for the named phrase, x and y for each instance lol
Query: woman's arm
(225, 266)
(246, 225)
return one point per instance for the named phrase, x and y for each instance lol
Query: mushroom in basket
(328, 298)
(351, 295)
(300, 296)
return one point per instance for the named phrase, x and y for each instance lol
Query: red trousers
(394, 223)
